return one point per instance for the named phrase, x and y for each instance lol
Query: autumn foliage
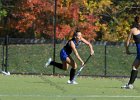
(109, 20)
(38, 16)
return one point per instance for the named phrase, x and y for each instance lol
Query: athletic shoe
(68, 81)
(5, 73)
(130, 86)
(74, 82)
(71, 82)
(48, 63)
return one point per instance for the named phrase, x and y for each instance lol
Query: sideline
(69, 96)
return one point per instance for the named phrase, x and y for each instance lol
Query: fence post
(6, 52)
(3, 57)
(54, 22)
(105, 60)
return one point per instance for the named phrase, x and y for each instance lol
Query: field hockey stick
(79, 71)
(131, 53)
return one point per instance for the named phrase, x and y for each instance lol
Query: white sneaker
(130, 86)
(71, 82)
(74, 82)
(68, 81)
(6, 73)
(48, 63)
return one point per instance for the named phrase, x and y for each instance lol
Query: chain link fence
(28, 56)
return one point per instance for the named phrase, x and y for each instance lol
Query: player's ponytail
(137, 19)
(137, 22)
(75, 33)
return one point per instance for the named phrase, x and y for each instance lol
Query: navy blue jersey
(137, 41)
(136, 38)
(68, 48)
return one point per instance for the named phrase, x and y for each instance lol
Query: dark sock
(133, 76)
(58, 65)
(72, 73)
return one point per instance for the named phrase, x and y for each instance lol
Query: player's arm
(128, 42)
(76, 52)
(89, 44)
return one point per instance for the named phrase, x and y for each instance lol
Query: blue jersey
(136, 38)
(67, 50)
(137, 41)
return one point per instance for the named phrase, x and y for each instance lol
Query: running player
(66, 57)
(135, 32)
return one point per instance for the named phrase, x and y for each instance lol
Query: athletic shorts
(63, 55)
(138, 51)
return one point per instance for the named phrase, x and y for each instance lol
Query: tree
(116, 17)
(107, 20)
(3, 14)
(36, 16)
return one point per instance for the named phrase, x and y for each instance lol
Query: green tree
(3, 14)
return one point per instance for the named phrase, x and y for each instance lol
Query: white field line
(68, 96)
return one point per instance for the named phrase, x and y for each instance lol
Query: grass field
(28, 87)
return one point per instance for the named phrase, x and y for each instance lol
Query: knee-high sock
(133, 76)
(58, 65)
(72, 73)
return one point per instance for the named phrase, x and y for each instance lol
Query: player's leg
(135, 66)
(65, 65)
(72, 63)
(63, 56)
(133, 75)
(134, 71)
(56, 64)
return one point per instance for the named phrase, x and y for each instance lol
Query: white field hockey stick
(79, 71)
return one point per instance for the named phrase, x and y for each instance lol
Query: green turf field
(22, 87)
